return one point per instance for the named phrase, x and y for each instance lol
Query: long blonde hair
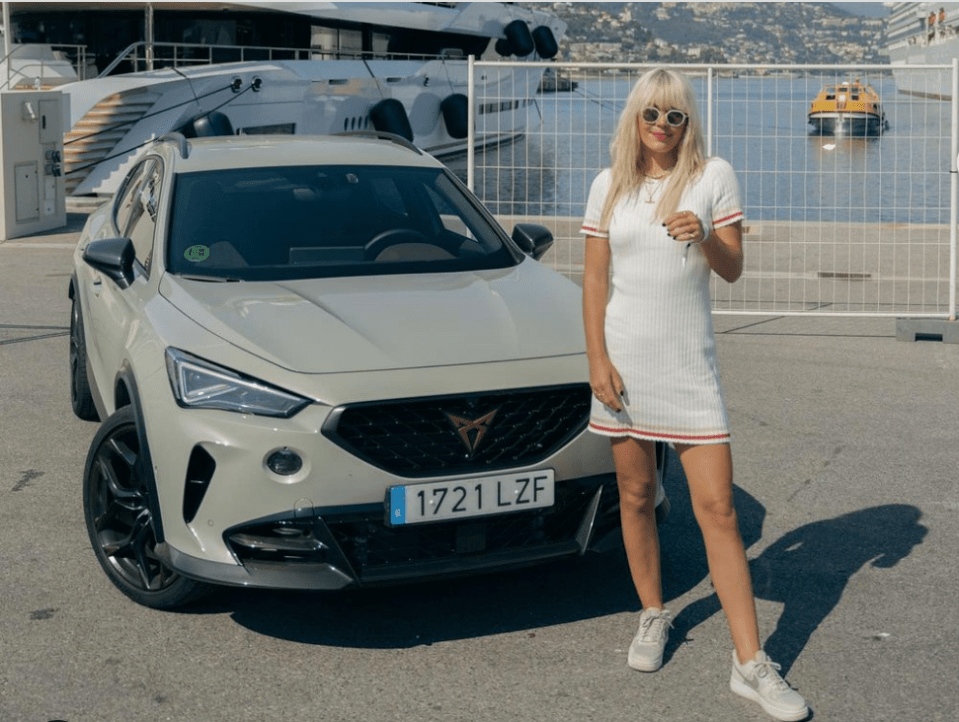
(667, 89)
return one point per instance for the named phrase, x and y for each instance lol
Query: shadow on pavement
(806, 570)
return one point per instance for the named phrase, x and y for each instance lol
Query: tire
(117, 509)
(80, 396)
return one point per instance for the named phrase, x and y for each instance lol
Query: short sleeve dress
(659, 331)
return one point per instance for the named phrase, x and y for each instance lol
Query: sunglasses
(675, 118)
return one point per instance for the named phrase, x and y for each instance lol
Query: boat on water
(395, 67)
(554, 82)
(848, 108)
(923, 33)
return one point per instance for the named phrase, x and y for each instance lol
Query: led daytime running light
(201, 384)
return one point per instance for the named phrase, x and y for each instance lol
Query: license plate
(464, 498)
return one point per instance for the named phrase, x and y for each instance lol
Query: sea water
(759, 124)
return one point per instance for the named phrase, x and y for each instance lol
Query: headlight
(199, 384)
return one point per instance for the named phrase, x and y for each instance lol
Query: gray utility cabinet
(31, 152)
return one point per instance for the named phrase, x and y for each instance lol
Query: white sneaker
(646, 650)
(759, 680)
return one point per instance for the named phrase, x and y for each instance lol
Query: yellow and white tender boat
(848, 108)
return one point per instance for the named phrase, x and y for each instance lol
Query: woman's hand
(723, 247)
(685, 227)
(606, 383)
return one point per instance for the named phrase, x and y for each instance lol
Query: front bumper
(331, 549)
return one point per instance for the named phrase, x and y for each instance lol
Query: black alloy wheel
(116, 505)
(80, 396)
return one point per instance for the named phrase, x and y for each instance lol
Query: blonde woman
(661, 218)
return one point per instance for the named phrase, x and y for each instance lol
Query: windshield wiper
(209, 279)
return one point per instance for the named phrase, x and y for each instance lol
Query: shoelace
(769, 670)
(651, 628)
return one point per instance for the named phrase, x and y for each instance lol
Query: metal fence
(835, 224)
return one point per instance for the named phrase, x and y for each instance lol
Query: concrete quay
(796, 267)
(848, 498)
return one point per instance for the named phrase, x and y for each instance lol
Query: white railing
(835, 225)
(143, 55)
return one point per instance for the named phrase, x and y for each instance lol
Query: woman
(661, 217)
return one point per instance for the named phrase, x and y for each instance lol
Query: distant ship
(923, 34)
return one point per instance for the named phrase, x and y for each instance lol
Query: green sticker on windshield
(197, 253)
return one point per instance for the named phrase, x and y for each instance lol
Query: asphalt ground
(845, 445)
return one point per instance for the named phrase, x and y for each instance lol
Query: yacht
(925, 33)
(304, 68)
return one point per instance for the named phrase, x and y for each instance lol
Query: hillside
(718, 32)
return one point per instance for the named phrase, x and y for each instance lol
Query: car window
(316, 221)
(142, 216)
(126, 198)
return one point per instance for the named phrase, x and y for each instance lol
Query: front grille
(377, 552)
(447, 435)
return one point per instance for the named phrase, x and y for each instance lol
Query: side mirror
(532, 239)
(113, 257)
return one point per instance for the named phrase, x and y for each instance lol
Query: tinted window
(141, 221)
(126, 198)
(309, 221)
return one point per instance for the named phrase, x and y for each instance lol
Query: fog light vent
(284, 462)
(198, 474)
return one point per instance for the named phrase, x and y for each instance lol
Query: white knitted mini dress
(659, 330)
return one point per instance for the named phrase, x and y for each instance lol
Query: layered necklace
(652, 183)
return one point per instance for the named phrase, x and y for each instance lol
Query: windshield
(293, 222)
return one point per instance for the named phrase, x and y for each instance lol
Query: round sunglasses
(675, 118)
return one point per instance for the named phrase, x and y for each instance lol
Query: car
(321, 363)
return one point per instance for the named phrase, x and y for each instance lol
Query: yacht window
(381, 43)
(351, 41)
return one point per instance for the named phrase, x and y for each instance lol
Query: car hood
(374, 323)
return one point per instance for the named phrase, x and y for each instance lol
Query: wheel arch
(126, 394)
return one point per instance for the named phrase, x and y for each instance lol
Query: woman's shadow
(806, 570)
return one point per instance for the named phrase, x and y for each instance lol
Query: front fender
(127, 394)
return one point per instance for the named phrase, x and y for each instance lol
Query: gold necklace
(651, 188)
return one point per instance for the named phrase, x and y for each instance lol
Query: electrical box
(31, 162)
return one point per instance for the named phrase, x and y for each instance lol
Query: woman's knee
(636, 493)
(716, 514)
(635, 473)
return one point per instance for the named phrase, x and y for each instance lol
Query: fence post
(709, 112)
(954, 189)
(470, 124)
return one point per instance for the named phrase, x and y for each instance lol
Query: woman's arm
(604, 380)
(724, 251)
(723, 248)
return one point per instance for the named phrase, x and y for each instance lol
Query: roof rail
(182, 143)
(382, 135)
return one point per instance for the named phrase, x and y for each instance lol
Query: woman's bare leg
(709, 471)
(636, 476)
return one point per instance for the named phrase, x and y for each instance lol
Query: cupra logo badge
(472, 431)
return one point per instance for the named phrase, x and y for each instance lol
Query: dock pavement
(847, 489)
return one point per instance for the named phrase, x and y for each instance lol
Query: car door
(115, 311)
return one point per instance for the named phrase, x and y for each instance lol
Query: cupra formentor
(320, 363)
